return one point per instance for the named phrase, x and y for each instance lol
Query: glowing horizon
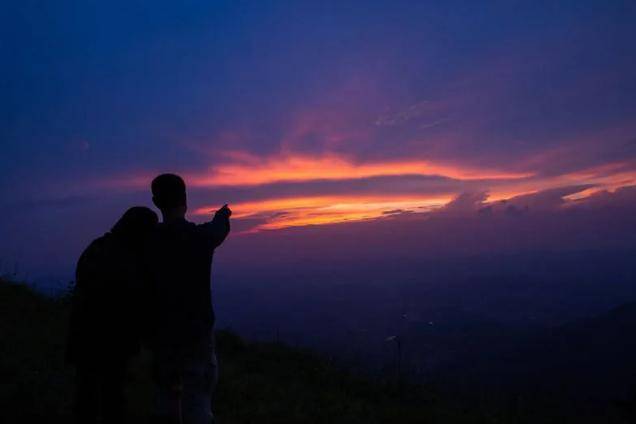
(318, 210)
(249, 169)
(276, 212)
(264, 175)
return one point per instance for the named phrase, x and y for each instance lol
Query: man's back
(181, 264)
(185, 367)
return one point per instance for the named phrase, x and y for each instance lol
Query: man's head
(169, 194)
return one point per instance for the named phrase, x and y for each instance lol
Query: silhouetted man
(182, 341)
(106, 316)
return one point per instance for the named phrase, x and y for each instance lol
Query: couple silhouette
(148, 283)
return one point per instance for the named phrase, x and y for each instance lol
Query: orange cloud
(607, 177)
(246, 169)
(299, 211)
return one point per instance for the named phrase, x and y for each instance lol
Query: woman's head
(136, 223)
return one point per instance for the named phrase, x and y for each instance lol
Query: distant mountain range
(590, 362)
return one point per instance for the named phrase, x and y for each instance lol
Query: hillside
(274, 383)
(583, 367)
(259, 382)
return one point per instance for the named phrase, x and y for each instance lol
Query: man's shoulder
(173, 231)
(175, 227)
(180, 223)
(189, 224)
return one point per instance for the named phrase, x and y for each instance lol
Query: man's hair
(168, 191)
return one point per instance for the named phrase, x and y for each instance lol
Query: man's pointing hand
(224, 212)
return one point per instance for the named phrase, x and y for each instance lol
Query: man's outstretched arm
(217, 230)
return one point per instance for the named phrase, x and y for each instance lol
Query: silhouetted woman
(107, 316)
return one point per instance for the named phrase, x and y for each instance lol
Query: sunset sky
(327, 114)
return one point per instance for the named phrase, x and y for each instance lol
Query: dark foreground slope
(273, 383)
(267, 383)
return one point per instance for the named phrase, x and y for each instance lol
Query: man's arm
(217, 230)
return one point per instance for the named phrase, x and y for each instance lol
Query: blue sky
(306, 113)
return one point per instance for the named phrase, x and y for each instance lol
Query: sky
(447, 128)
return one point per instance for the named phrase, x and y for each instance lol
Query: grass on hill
(259, 382)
